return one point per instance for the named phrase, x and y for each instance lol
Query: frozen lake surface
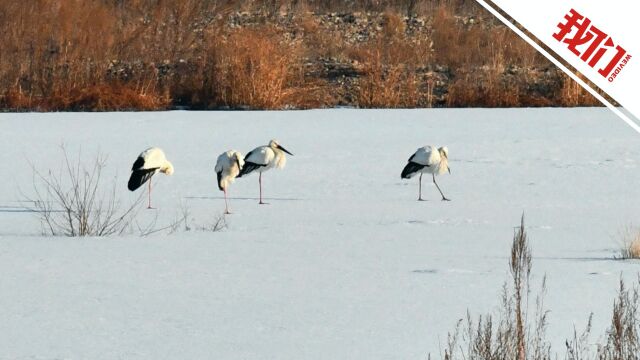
(344, 263)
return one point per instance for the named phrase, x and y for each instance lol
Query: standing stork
(427, 160)
(264, 158)
(227, 168)
(148, 163)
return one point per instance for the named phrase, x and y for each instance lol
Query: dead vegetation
(147, 55)
(629, 243)
(181, 222)
(518, 332)
(260, 69)
(74, 200)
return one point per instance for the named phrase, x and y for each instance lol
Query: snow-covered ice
(344, 263)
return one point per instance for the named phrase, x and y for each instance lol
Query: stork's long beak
(285, 150)
(449, 170)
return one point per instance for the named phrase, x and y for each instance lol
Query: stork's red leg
(226, 205)
(443, 197)
(260, 182)
(149, 206)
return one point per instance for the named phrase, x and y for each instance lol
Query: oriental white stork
(227, 168)
(148, 163)
(428, 160)
(264, 158)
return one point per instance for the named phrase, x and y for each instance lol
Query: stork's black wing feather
(411, 169)
(219, 180)
(139, 177)
(138, 164)
(248, 168)
(249, 154)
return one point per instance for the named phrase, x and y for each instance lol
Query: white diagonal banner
(595, 37)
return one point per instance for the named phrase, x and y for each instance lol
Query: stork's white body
(227, 168)
(267, 157)
(154, 158)
(427, 159)
(148, 163)
(264, 158)
(430, 157)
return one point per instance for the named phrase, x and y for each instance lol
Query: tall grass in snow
(517, 332)
(512, 334)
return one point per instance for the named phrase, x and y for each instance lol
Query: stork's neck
(280, 159)
(443, 166)
(277, 151)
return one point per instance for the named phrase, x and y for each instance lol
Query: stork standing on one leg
(227, 168)
(148, 163)
(428, 160)
(264, 158)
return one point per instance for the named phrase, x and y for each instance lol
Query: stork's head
(238, 158)
(444, 152)
(274, 144)
(167, 168)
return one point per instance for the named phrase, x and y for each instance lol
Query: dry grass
(389, 67)
(622, 336)
(621, 339)
(385, 85)
(484, 90)
(258, 69)
(572, 94)
(519, 333)
(148, 55)
(255, 69)
(629, 243)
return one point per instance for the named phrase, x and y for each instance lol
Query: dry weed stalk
(513, 335)
(517, 336)
(622, 338)
(181, 223)
(73, 201)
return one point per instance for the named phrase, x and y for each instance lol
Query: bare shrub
(387, 87)
(257, 68)
(73, 201)
(484, 89)
(105, 98)
(629, 243)
(448, 39)
(393, 24)
(389, 66)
